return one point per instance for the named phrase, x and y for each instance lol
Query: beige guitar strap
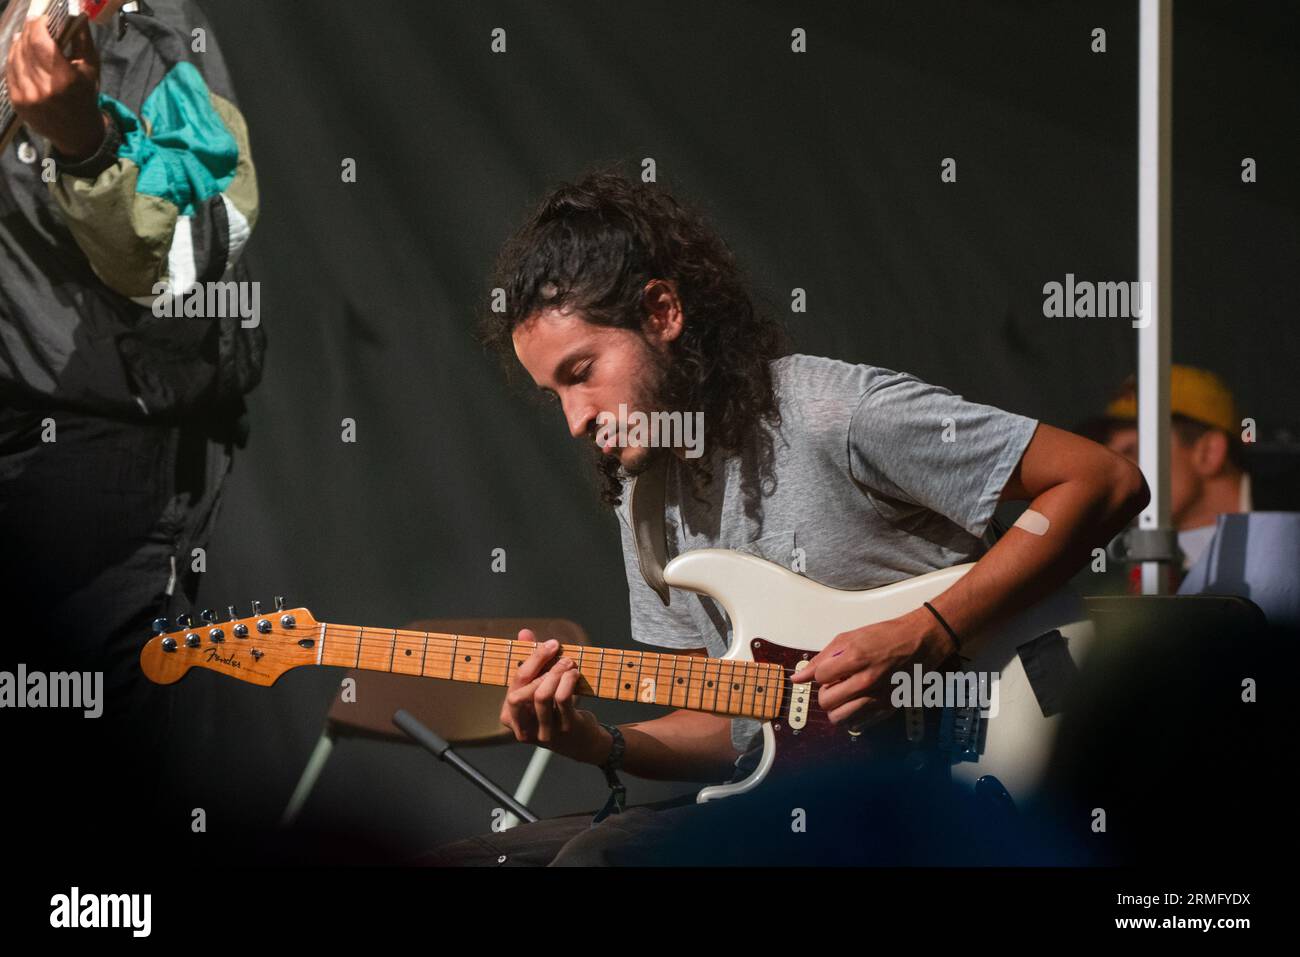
(646, 506)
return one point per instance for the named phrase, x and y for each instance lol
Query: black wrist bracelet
(951, 634)
(617, 792)
(617, 746)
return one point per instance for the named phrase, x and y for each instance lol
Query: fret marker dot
(408, 652)
(735, 687)
(626, 687)
(467, 657)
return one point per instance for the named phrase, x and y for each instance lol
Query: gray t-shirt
(876, 477)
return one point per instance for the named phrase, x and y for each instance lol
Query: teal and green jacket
(170, 198)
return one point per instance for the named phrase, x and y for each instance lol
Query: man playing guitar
(619, 298)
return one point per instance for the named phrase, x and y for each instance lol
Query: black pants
(835, 816)
(98, 530)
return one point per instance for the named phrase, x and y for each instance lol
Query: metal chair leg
(310, 774)
(528, 784)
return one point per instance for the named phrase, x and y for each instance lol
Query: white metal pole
(528, 784)
(1155, 97)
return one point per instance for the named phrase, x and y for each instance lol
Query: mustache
(665, 390)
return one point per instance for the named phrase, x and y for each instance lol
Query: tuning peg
(257, 607)
(183, 620)
(208, 615)
(159, 625)
(279, 603)
(230, 610)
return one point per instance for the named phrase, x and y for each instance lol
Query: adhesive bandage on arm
(1035, 523)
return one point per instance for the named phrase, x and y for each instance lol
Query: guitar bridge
(962, 733)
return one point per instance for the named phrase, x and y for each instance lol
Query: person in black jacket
(129, 184)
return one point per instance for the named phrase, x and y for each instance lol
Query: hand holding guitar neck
(539, 705)
(52, 75)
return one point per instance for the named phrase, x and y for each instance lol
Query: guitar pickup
(799, 697)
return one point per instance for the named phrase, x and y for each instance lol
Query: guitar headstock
(257, 649)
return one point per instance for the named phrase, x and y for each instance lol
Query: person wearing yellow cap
(1207, 467)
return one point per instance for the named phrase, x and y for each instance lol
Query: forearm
(136, 218)
(1030, 562)
(170, 197)
(681, 746)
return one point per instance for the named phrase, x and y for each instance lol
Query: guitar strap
(646, 506)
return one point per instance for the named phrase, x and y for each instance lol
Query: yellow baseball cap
(1196, 393)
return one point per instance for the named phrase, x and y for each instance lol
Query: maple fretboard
(739, 688)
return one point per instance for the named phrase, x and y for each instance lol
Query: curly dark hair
(593, 245)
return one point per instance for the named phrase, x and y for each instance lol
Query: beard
(636, 461)
(659, 389)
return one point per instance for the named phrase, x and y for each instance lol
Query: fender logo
(228, 660)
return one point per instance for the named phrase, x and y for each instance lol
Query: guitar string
(385, 640)
(498, 657)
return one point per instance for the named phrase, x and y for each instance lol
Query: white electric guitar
(778, 619)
